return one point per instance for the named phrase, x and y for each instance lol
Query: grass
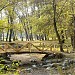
(10, 73)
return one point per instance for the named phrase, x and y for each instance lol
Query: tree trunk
(7, 35)
(13, 36)
(74, 34)
(45, 36)
(27, 37)
(55, 27)
(73, 38)
(3, 36)
(11, 30)
(10, 35)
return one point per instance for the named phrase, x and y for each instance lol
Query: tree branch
(7, 5)
(4, 7)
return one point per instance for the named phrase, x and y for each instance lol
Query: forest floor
(27, 58)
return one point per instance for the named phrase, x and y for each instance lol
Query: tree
(73, 24)
(55, 27)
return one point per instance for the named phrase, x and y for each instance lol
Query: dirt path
(27, 58)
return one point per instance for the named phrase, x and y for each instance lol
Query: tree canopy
(42, 19)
